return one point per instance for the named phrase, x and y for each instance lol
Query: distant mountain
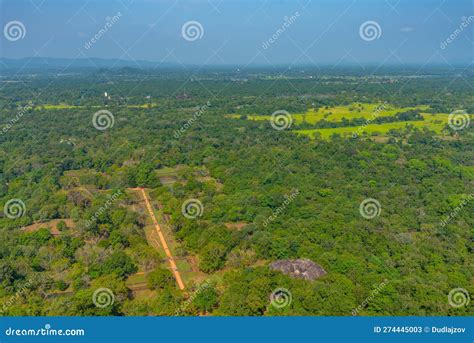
(32, 63)
(49, 65)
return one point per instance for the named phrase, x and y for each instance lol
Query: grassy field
(66, 106)
(168, 171)
(434, 122)
(59, 107)
(337, 113)
(138, 278)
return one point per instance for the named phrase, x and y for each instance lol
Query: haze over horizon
(231, 32)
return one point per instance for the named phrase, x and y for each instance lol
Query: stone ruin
(299, 269)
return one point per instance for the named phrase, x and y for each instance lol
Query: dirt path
(174, 267)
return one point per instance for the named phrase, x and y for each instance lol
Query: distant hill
(30, 63)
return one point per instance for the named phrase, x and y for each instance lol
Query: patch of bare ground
(168, 179)
(52, 225)
(448, 138)
(235, 225)
(380, 139)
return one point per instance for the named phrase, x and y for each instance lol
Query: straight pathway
(174, 267)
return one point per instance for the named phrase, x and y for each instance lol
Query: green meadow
(337, 113)
(434, 122)
(67, 106)
(374, 129)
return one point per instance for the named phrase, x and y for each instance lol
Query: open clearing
(337, 113)
(434, 122)
(436, 125)
(67, 106)
(52, 225)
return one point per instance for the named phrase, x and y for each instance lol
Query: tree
(160, 278)
(118, 263)
(212, 257)
(61, 226)
(206, 298)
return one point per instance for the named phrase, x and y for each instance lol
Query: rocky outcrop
(299, 269)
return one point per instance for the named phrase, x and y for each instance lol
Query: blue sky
(240, 31)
